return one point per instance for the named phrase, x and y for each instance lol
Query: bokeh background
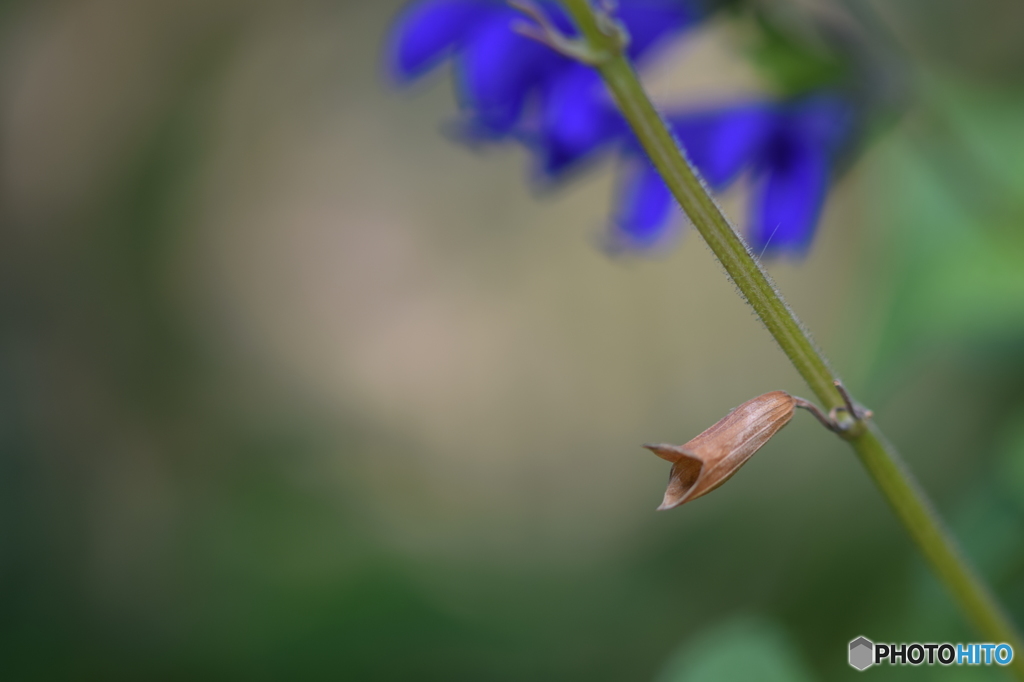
(294, 387)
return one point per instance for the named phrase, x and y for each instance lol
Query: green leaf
(742, 649)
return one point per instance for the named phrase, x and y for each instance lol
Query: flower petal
(791, 196)
(500, 68)
(577, 118)
(645, 207)
(427, 30)
(650, 21)
(722, 141)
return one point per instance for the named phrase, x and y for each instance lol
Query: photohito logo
(864, 653)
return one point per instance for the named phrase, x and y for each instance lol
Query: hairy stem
(881, 460)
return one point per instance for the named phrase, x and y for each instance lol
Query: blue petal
(652, 20)
(721, 142)
(427, 30)
(500, 68)
(795, 180)
(578, 117)
(645, 207)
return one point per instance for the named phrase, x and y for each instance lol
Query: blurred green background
(292, 387)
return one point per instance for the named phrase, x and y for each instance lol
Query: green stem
(881, 460)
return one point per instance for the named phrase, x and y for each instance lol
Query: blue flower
(646, 207)
(790, 150)
(512, 87)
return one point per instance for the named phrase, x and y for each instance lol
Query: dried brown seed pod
(707, 461)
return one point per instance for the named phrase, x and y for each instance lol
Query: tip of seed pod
(664, 450)
(667, 504)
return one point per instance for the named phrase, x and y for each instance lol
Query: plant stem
(881, 460)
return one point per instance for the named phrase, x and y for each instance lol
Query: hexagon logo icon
(862, 652)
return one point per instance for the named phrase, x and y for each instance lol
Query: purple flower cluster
(788, 148)
(512, 87)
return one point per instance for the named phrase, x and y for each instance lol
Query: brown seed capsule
(707, 461)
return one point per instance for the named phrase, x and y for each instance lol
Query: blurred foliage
(959, 284)
(745, 649)
(794, 67)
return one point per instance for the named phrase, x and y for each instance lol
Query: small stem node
(544, 31)
(829, 421)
